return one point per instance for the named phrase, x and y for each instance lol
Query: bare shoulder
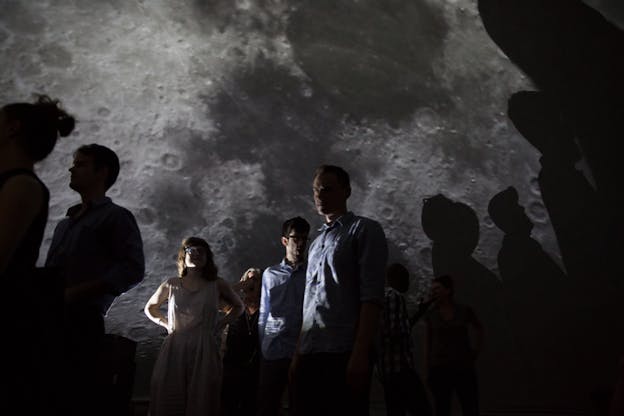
(23, 186)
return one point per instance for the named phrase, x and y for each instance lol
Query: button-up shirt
(281, 301)
(396, 346)
(104, 242)
(346, 267)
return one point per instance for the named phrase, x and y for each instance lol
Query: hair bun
(65, 123)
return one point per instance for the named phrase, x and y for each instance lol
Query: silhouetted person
(28, 133)
(99, 252)
(536, 294)
(454, 337)
(343, 299)
(454, 228)
(574, 56)
(279, 323)
(241, 360)
(186, 379)
(404, 391)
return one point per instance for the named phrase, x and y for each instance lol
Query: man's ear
(284, 241)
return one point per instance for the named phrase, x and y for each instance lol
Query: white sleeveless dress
(186, 379)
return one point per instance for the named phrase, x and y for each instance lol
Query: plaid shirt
(396, 347)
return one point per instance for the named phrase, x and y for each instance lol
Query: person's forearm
(155, 315)
(231, 315)
(367, 327)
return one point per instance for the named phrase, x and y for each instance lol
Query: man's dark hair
(298, 224)
(341, 175)
(103, 157)
(397, 277)
(447, 282)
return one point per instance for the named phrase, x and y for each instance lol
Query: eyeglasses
(298, 238)
(192, 249)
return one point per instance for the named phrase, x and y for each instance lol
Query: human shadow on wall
(575, 56)
(576, 212)
(454, 229)
(536, 293)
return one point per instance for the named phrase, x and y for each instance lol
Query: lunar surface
(220, 110)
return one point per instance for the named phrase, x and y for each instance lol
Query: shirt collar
(284, 263)
(90, 205)
(342, 220)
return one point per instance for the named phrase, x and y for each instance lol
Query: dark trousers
(271, 387)
(443, 381)
(239, 390)
(320, 387)
(84, 383)
(404, 392)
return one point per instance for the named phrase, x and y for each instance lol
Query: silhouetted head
(538, 118)
(295, 233)
(442, 287)
(507, 214)
(35, 128)
(452, 225)
(332, 188)
(397, 277)
(101, 166)
(195, 253)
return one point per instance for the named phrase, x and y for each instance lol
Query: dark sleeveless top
(24, 258)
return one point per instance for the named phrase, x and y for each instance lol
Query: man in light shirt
(344, 294)
(279, 322)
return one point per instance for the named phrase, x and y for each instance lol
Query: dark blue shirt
(102, 243)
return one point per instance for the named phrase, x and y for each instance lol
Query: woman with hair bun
(28, 133)
(186, 379)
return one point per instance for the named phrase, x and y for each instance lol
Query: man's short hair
(103, 157)
(298, 224)
(397, 277)
(341, 175)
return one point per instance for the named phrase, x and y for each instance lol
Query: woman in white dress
(186, 379)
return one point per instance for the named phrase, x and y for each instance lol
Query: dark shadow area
(259, 16)
(267, 115)
(454, 229)
(374, 59)
(537, 295)
(576, 58)
(577, 213)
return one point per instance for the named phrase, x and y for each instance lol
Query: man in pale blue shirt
(342, 304)
(279, 322)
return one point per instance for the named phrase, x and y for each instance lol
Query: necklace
(249, 320)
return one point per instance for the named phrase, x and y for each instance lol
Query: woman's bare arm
(152, 307)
